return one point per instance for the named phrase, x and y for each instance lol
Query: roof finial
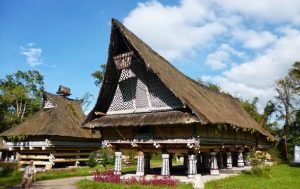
(64, 91)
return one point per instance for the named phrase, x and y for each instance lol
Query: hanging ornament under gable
(123, 60)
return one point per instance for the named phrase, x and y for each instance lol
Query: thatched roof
(143, 119)
(64, 119)
(209, 106)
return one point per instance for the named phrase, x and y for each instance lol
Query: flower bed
(155, 181)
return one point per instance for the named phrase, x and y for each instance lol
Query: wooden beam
(119, 133)
(160, 133)
(33, 157)
(58, 154)
(61, 160)
(100, 113)
(36, 162)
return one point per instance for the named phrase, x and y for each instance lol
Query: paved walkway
(65, 183)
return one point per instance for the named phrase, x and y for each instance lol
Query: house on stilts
(146, 105)
(53, 136)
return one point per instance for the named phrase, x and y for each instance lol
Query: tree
(209, 85)
(99, 75)
(295, 71)
(286, 96)
(20, 97)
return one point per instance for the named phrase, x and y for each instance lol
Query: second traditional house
(53, 136)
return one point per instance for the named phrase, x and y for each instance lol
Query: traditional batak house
(146, 105)
(53, 135)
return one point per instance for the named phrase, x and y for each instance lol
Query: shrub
(8, 168)
(155, 181)
(259, 168)
(105, 157)
(92, 162)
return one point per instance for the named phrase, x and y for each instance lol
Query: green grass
(14, 178)
(281, 176)
(90, 184)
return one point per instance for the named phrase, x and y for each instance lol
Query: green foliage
(281, 176)
(92, 162)
(8, 168)
(99, 75)
(16, 138)
(295, 71)
(90, 184)
(209, 85)
(105, 157)
(20, 97)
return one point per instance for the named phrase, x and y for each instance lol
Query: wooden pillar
(192, 165)
(220, 160)
(228, 160)
(140, 168)
(147, 163)
(214, 170)
(118, 163)
(170, 163)
(165, 168)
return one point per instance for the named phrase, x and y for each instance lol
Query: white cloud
(256, 77)
(221, 58)
(33, 55)
(254, 40)
(251, 44)
(174, 31)
(275, 11)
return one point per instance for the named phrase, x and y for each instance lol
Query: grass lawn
(16, 176)
(282, 176)
(90, 184)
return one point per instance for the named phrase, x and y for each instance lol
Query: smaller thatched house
(53, 135)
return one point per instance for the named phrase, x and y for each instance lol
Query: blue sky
(243, 47)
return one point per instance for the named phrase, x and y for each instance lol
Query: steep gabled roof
(64, 119)
(209, 106)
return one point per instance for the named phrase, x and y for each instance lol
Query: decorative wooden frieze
(123, 61)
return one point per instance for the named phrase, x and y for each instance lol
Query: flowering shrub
(156, 180)
(258, 159)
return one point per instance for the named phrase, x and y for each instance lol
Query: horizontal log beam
(61, 160)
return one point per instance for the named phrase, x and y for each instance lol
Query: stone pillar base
(214, 172)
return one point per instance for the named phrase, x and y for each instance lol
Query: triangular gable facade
(139, 90)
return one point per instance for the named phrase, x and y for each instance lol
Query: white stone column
(140, 168)
(214, 170)
(192, 166)
(228, 160)
(165, 168)
(118, 163)
(0, 155)
(240, 159)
